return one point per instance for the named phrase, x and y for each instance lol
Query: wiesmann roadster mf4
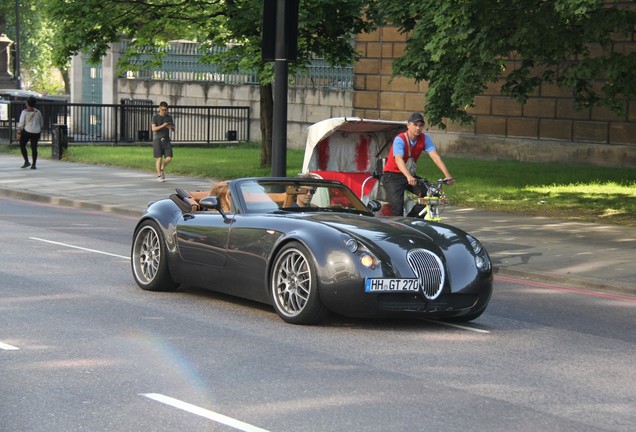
(310, 247)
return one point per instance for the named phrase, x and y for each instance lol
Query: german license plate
(391, 285)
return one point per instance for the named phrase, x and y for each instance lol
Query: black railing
(130, 122)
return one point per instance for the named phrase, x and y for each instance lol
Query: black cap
(416, 117)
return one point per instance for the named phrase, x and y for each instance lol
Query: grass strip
(576, 192)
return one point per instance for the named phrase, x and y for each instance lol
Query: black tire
(294, 288)
(149, 259)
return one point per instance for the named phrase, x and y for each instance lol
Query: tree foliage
(37, 40)
(462, 46)
(326, 28)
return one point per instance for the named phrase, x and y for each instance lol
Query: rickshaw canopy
(349, 144)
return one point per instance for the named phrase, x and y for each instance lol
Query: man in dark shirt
(162, 124)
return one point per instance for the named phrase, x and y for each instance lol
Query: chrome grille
(429, 270)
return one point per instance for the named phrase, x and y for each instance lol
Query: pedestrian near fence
(162, 124)
(29, 129)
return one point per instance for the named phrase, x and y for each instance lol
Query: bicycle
(431, 204)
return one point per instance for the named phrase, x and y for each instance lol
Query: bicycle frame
(432, 209)
(433, 203)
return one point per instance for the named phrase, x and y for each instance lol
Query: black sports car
(309, 247)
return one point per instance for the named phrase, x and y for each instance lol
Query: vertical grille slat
(429, 270)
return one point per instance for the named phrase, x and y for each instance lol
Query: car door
(202, 238)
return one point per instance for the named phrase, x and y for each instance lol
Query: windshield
(299, 195)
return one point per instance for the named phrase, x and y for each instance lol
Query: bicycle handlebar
(431, 189)
(440, 182)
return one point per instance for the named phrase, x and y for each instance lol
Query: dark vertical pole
(116, 115)
(209, 125)
(279, 132)
(17, 44)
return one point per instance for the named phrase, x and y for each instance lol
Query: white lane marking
(80, 248)
(7, 347)
(219, 418)
(447, 324)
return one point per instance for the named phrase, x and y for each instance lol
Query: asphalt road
(82, 348)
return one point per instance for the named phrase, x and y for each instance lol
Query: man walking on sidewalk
(162, 124)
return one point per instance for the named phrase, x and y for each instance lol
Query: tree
(326, 28)
(461, 46)
(37, 38)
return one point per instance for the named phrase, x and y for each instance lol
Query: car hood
(401, 231)
(392, 238)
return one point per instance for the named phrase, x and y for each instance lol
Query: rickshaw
(353, 150)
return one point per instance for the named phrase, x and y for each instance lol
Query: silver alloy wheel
(146, 255)
(291, 282)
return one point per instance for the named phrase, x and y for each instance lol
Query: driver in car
(304, 196)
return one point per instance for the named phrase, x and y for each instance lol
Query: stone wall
(545, 128)
(305, 106)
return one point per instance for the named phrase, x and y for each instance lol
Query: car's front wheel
(294, 286)
(149, 260)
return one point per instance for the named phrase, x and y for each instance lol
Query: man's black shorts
(162, 147)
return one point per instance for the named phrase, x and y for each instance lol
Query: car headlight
(367, 260)
(477, 248)
(360, 251)
(481, 257)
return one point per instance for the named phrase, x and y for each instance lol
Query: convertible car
(310, 247)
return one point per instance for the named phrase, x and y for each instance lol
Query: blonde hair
(221, 190)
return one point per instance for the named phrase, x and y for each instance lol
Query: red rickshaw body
(351, 150)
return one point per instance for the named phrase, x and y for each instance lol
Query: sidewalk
(600, 257)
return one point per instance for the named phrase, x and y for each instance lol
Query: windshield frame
(275, 195)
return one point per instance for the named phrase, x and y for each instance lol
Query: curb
(67, 202)
(590, 284)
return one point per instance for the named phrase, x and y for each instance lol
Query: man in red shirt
(399, 171)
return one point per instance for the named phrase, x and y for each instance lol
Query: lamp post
(17, 45)
(280, 36)
(279, 132)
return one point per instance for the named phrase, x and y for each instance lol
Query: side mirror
(212, 203)
(374, 206)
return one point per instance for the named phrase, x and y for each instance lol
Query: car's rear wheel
(294, 286)
(149, 260)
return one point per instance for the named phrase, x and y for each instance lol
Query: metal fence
(181, 63)
(130, 122)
